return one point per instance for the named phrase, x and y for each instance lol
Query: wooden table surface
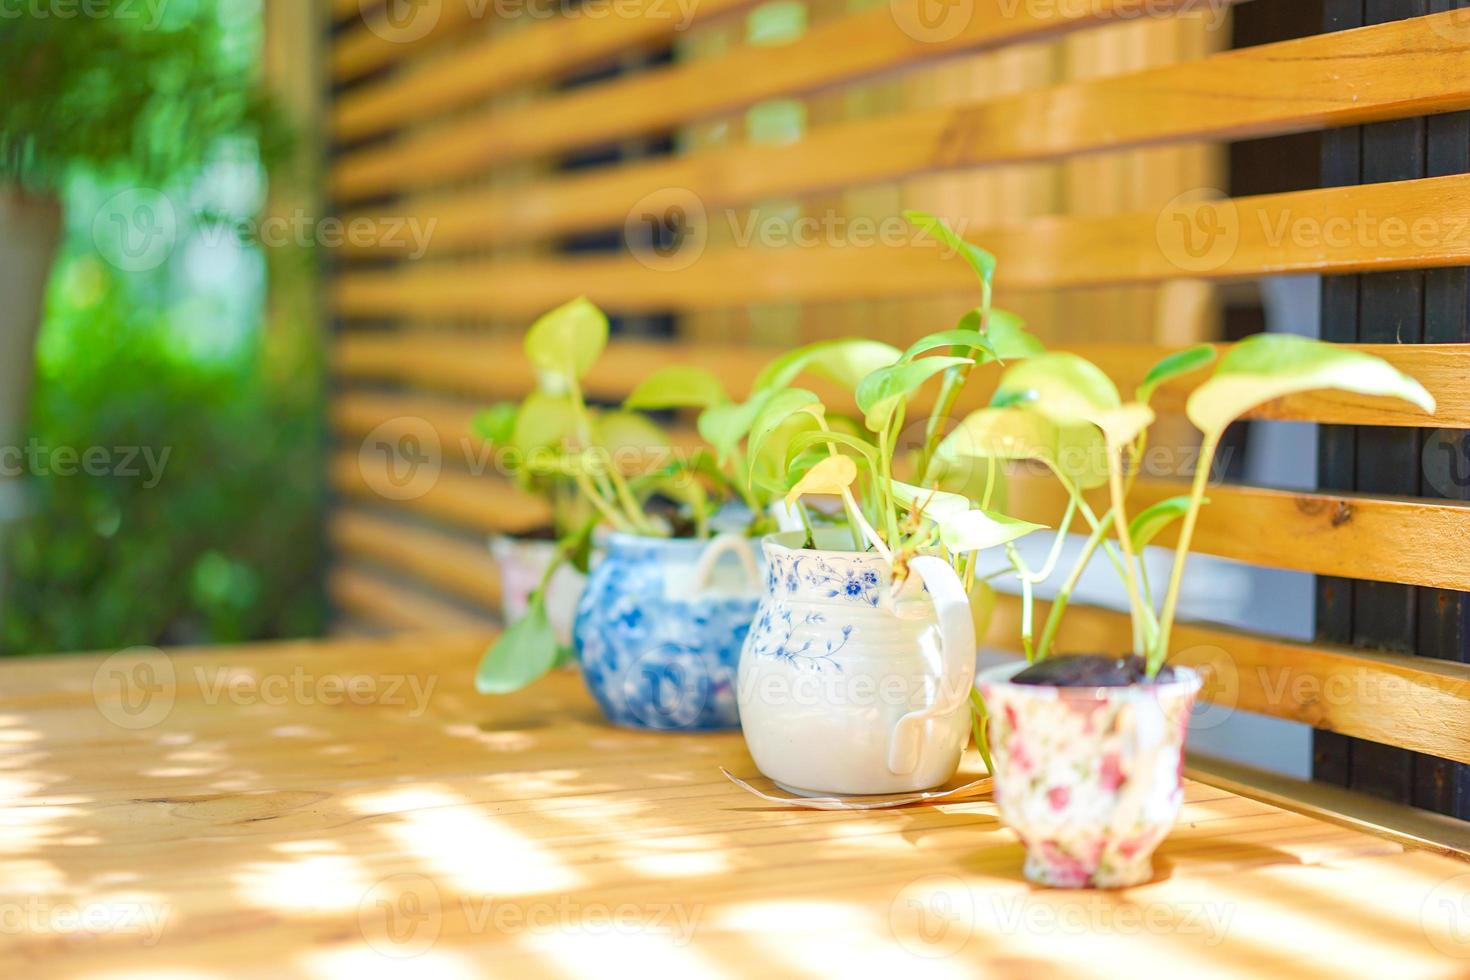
(355, 809)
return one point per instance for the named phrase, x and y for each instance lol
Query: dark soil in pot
(1091, 670)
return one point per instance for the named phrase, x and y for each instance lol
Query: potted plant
(662, 618)
(143, 97)
(1087, 750)
(526, 560)
(856, 677)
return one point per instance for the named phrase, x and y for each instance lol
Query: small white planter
(1088, 777)
(523, 563)
(844, 688)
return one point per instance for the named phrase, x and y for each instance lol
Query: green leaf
(832, 476)
(1270, 366)
(568, 340)
(723, 426)
(780, 407)
(976, 530)
(678, 386)
(1077, 451)
(936, 505)
(980, 260)
(1175, 365)
(1064, 387)
(880, 393)
(845, 361)
(496, 424)
(1008, 336)
(958, 337)
(522, 655)
(1121, 425)
(630, 431)
(1151, 522)
(544, 421)
(803, 441)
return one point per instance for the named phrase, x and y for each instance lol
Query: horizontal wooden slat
(1413, 702)
(481, 503)
(493, 368)
(413, 26)
(663, 98)
(1396, 821)
(358, 413)
(543, 50)
(1416, 542)
(444, 561)
(1374, 227)
(375, 599)
(1402, 68)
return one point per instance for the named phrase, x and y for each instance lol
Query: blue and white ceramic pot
(660, 627)
(849, 685)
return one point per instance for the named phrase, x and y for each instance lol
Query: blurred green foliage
(176, 363)
(146, 86)
(224, 547)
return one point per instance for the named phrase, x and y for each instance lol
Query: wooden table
(354, 809)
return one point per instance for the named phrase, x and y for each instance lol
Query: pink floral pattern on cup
(1088, 778)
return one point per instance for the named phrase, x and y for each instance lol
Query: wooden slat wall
(1078, 141)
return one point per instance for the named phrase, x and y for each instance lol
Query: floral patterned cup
(1088, 777)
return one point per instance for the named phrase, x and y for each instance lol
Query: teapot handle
(951, 689)
(721, 546)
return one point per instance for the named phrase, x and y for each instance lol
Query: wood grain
(458, 566)
(1361, 536)
(379, 41)
(372, 597)
(1404, 68)
(272, 837)
(1376, 227)
(662, 98)
(479, 503)
(486, 65)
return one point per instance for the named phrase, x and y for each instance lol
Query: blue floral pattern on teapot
(660, 628)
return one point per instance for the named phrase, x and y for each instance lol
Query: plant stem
(949, 392)
(596, 498)
(1028, 599)
(1056, 546)
(1181, 550)
(991, 471)
(1064, 594)
(1120, 522)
